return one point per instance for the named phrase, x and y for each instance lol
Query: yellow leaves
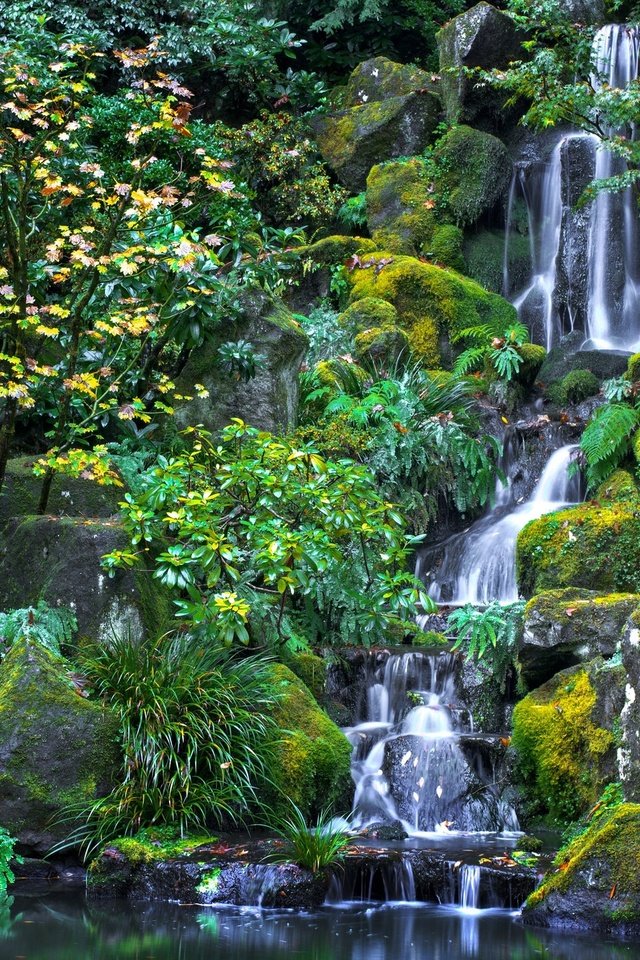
(128, 268)
(20, 135)
(45, 331)
(82, 383)
(201, 391)
(89, 465)
(55, 310)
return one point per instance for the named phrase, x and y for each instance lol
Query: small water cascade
(478, 566)
(421, 765)
(469, 886)
(584, 262)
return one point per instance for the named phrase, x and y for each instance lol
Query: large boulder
(432, 303)
(595, 545)
(584, 11)
(58, 560)
(565, 734)
(399, 198)
(267, 400)
(388, 110)
(568, 356)
(484, 254)
(473, 173)
(596, 886)
(480, 37)
(56, 748)
(629, 753)
(565, 627)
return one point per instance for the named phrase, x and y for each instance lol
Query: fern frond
(605, 441)
(471, 359)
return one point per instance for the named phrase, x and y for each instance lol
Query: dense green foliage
(312, 847)
(50, 627)
(7, 843)
(491, 634)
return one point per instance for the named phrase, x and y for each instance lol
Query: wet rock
(59, 560)
(597, 886)
(480, 37)
(629, 753)
(56, 748)
(572, 263)
(584, 11)
(384, 831)
(473, 171)
(398, 214)
(380, 78)
(565, 627)
(567, 356)
(268, 400)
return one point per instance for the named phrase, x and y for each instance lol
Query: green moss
(380, 78)
(594, 545)
(559, 747)
(620, 486)
(336, 249)
(210, 881)
(575, 387)
(633, 367)
(635, 446)
(398, 206)
(329, 373)
(368, 312)
(311, 669)
(570, 605)
(611, 845)
(533, 357)
(473, 172)
(484, 257)
(158, 843)
(432, 302)
(446, 247)
(312, 757)
(381, 345)
(430, 638)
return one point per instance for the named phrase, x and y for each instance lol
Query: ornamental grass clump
(311, 847)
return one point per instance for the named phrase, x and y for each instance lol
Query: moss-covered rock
(568, 356)
(70, 496)
(480, 37)
(312, 670)
(56, 748)
(562, 733)
(334, 250)
(596, 885)
(447, 247)
(399, 217)
(633, 367)
(629, 753)
(473, 172)
(565, 627)
(367, 313)
(484, 256)
(432, 302)
(312, 757)
(269, 400)
(381, 78)
(620, 486)
(58, 560)
(533, 356)
(381, 345)
(575, 387)
(352, 141)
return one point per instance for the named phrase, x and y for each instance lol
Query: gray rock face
(584, 11)
(563, 628)
(352, 141)
(58, 560)
(269, 399)
(56, 747)
(629, 753)
(480, 37)
(567, 356)
(572, 280)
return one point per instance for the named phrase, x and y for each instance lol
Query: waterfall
(585, 262)
(419, 766)
(479, 565)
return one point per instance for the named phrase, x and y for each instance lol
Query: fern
(49, 627)
(605, 441)
(469, 360)
(491, 634)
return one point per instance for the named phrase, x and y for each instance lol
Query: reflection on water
(68, 928)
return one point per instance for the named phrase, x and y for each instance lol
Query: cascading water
(479, 565)
(413, 762)
(585, 262)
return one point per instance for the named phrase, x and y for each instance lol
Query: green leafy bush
(606, 440)
(498, 348)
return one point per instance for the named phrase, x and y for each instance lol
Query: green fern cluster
(491, 634)
(606, 440)
(50, 627)
(488, 341)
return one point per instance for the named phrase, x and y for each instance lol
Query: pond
(67, 927)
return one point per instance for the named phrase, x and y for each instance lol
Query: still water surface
(58, 927)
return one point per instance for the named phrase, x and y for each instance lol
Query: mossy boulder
(312, 670)
(594, 545)
(633, 367)
(564, 740)
(619, 486)
(480, 37)
(56, 748)
(268, 400)
(629, 753)
(596, 885)
(354, 140)
(381, 345)
(446, 247)
(381, 78)
(484, 256)
(563, 628)
(473, 173)
(367, 313)
(432, 303)
(533, 356)
(334, 250)
(584, 11)
(568, 356)
(399, 198)
(575, 386)
(70, 496)
(311, 757)
(58, 560)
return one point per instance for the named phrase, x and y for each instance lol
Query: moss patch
(71, 497)
(367, 313)
(473, 173)
(336, 249)
(560, 749)
(398, 213)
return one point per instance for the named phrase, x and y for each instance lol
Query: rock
(480, 37)
(311, 762)
(629, 753)
(398, 214)
(594, 545)
(384, 831)
(381, 346)
(334, 250)
(567, 356)
(484, 693)
(572, 263)
(584, 11)
(446, 247)
(597, 885)
(565, 627)
(70, 496)
(56, 748)
(268, 400)
(563, 734)
(380, 78)
(432, 302)
(484, 257)
(576, 386)
(352, 141)
(367, 313)
(473, 172)
(58, 560)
